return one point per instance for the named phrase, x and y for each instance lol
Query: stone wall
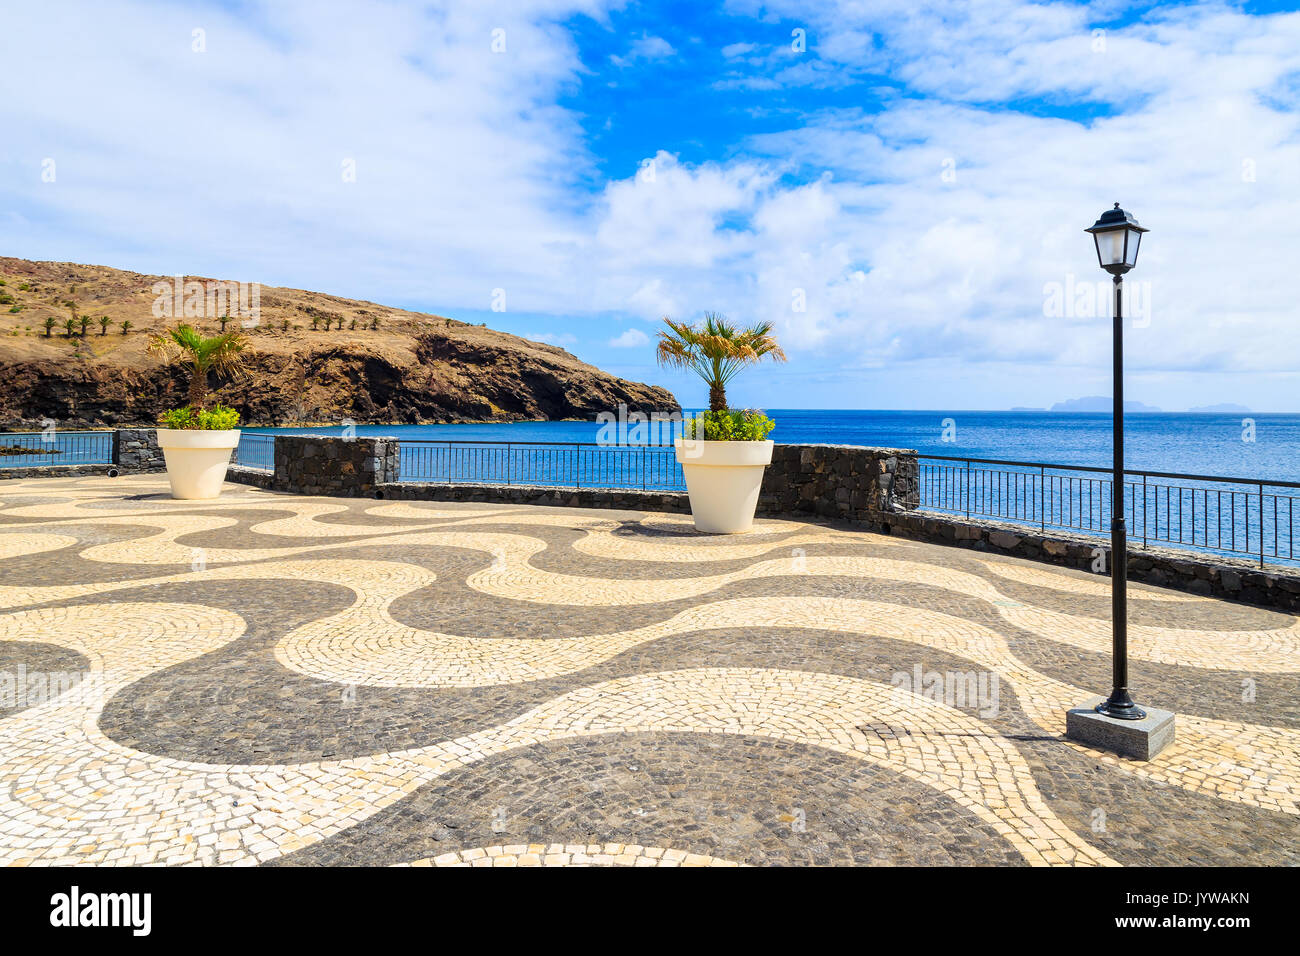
(849, 482)
(58, 471)
(348, 468)
(136, 449)
(242, 475)
(1191, 571)
(616, 498)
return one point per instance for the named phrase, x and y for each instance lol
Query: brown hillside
(384, 365)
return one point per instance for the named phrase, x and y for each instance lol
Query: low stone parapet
(1192, 571)
(615, 498)
(59, 471)
(851, 482)
(342, 467)
(136, 449)
(243, 475)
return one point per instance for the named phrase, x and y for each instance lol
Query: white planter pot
(723, 479)
(197, 459)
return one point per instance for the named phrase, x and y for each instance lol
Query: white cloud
(673, 214)
(651, 301)
(230, 161)
(891, 263)
(645, 47)
(630, 339)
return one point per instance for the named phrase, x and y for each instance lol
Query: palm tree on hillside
(220, 354)
(716, 351)
(103, 324)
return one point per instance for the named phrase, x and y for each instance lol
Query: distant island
(1098, 403)
(1101, 403)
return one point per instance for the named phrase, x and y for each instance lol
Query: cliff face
(372, 364)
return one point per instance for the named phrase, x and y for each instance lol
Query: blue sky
(903, 195)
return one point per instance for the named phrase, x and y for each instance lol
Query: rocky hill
(311, 357)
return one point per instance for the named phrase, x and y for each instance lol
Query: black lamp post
(1118, 236)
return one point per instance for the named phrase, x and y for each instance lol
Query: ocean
(1259, 447)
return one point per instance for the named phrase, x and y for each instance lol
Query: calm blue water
(1190, 444)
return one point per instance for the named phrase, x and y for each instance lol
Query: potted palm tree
(722, 451)
(197, 440)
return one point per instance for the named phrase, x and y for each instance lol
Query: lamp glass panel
(1134, 240)
(1110, 246)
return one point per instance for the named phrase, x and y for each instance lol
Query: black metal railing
(34, 449)
(1236, 516)
(552, 464)
(255, 450)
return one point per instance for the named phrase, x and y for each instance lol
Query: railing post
(1261, 526)
(966, 465)
(1042, 498)
(1144, 512)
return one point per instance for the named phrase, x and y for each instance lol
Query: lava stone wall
(849, 482)
(615, 498)
(136, 449)
(341, 467)
(57, 471)
(242, 475)
(1203, 574)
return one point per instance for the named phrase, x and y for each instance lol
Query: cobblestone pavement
(277, 679)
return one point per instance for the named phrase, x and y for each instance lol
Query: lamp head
(1118, 237)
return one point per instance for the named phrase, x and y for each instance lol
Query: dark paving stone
(32, 673)
(729, 796)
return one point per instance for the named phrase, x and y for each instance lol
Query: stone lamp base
(1139, 739)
